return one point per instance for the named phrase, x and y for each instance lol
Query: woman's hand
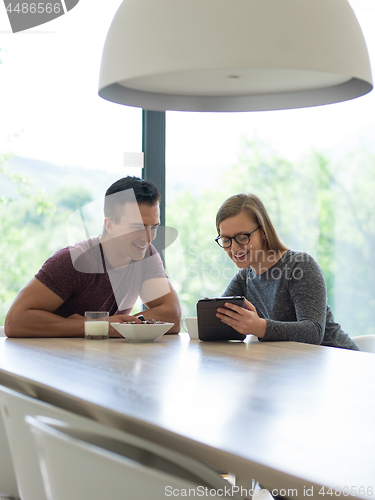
(245, 321)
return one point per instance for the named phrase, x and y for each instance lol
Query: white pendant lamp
(234, 55)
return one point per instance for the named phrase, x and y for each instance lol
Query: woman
(284, 290)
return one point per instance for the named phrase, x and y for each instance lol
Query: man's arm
(162, 302)
(31, 315)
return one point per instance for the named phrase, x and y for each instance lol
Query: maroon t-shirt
(84, 280)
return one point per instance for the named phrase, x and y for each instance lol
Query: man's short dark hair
(145, 192)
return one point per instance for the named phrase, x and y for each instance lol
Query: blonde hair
(252, 206)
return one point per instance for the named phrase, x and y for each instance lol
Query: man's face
(135, 230)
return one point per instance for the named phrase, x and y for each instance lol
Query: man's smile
(141, 247)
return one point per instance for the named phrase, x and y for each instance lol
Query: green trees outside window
(323, 206)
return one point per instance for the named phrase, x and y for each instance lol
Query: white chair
(8, 485)
(77, 469)
(139, 452)
(365, 342)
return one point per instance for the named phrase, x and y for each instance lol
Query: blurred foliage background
(322, 205)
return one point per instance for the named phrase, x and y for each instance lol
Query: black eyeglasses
(240, 239)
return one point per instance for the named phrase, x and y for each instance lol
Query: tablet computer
(210, 327)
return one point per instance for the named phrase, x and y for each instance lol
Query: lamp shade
(234, 55)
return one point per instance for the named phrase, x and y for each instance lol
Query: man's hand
(76, 316)
(120, 318)
(161, 307)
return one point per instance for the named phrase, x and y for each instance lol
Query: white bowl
(141, 332)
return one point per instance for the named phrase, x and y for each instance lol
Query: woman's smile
(240, 256)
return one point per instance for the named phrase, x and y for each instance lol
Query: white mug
(190, 325)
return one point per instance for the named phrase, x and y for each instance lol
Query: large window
(314, 168)
(61, 144)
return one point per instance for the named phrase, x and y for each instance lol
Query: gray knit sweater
(292, 297)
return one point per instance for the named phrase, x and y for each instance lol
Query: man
(105, 273)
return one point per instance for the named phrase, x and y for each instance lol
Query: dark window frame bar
(153, 147)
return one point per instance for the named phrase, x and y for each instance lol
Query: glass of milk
(96, 325)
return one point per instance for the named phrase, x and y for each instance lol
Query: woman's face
(244, 255)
